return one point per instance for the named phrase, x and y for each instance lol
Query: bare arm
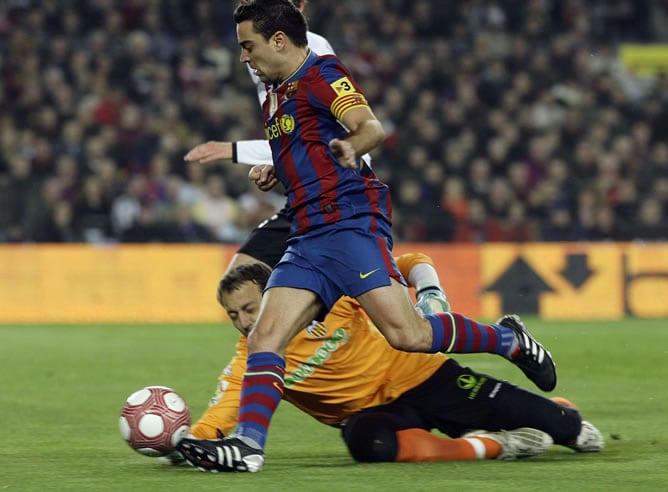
(366, 133)
(249, 152)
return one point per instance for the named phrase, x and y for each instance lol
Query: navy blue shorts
(344, 259)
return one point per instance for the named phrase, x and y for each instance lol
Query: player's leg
(265, 244)
(283, 312)
(391, 310)
(590, 439)
(397, 433)
(360, 263)
(385, 434)
(294, 296)
(517, 407)
(456, 400)
(268, 241)
(371, 435)
(371, 276)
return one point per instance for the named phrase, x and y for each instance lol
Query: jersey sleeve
(335, 90)
(408, 261)
(253, 152)
(222, 412)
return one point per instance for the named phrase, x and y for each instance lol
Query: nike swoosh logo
(365, 275)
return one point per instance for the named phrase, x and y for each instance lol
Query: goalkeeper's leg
(373, 436)
(516, 407)
(457, 400)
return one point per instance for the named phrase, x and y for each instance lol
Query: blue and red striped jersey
(302, 115)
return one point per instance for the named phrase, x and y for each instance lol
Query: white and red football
(154, 419)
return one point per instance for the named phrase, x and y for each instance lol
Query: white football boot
(589, 440)
(518, 443)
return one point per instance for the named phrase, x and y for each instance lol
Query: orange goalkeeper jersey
(334, 369)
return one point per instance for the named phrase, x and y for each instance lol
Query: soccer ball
(154, 419)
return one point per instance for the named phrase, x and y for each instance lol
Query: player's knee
(406, 339)
(259, 340)
(397, 338)
(565, 429)
(371, 438)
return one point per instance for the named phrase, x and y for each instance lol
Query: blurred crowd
(506, 120)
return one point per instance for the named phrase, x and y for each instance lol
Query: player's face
(242, 306)
(258, 52)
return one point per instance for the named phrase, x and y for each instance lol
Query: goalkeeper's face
(243, 305)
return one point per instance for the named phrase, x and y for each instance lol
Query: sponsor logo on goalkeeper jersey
(466, 381)
(321, 355)
(470, 382)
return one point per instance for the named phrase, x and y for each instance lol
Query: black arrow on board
(576, 271)
(520, 288)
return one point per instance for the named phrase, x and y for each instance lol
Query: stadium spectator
(92, 212)
(650, 222)
(146, 228)
(187, 230)
(473, 228)
(126, 207)
(217, 211)
(59, 226)
(19, 187)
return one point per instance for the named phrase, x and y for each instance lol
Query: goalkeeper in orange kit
(345, 374)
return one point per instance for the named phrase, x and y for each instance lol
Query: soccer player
(345, 374)
(319, 124)
(262, 241)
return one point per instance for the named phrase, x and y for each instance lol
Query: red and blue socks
(454, 333)
(261, 392)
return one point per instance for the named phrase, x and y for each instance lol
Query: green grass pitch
(62, 388)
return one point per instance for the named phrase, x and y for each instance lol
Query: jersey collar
(308, 61)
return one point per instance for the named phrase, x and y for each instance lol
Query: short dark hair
(270, 16)
(255, 272)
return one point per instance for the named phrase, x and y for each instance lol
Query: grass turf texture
(63, 387)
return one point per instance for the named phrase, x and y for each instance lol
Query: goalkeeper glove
(431, 300)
